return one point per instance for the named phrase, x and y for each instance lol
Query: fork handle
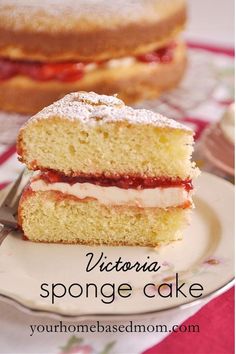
(4, 231)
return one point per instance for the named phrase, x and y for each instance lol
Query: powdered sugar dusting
(44, 15)
(93, 109)
(94, 99)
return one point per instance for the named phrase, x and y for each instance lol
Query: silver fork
(9, 206)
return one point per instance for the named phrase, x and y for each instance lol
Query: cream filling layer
(143, 198)
(111, 64)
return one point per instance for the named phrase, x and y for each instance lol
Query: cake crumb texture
(46, 217)
(85, 133)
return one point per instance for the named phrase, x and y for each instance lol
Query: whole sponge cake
(51, 48)
(94, 30)
(110, 174)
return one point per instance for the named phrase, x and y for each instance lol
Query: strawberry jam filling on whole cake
(71, 71)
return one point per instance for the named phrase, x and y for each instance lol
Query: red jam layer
(161, 55)
(125, 182)
(64, 72)
(69, 71)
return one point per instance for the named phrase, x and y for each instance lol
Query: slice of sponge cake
(109, 174)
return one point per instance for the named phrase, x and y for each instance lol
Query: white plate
(205, 256)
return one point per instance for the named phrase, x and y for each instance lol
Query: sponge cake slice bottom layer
(55, 217)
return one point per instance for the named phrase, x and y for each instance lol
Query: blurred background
(211, 21)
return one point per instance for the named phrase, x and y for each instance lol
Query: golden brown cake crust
(34, 33)
(139, 81)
